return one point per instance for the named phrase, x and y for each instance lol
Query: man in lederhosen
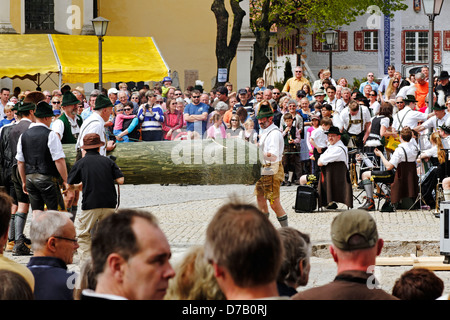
(271, 145)
(356, 119)
(403, 159)
(67, 127)
(25, 112)
(41, 162)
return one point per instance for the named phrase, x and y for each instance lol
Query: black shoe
(369, 205)
(283, 183)
(332, 205)
(288, 183)
(21, 248)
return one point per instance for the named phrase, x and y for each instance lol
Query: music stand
(419, 196)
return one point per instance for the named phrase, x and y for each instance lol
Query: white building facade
(371, 44)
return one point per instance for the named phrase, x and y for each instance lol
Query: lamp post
(432, 8)
(298, 50)
(330, 39)
(100, 25)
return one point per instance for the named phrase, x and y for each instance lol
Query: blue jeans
(125, 138)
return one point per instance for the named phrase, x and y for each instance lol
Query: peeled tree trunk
(216, 162)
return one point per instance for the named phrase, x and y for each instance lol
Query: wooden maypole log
(216, 162)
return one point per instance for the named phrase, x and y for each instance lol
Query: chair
(335, 185)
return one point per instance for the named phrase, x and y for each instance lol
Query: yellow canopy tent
(75, 58)
(25, 56)
(124, 59)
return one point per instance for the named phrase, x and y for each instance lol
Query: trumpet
(353, 175)
(439, 196)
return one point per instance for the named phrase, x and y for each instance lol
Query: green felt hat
(102, 101)
(265, 111)
(25, 106)
(69, 99)
(43, 110)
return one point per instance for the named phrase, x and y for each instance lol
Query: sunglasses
(399, 102)
(119, 110)
(127, 109)
(372, 95)
(395, 82)
(57, 102)
(195, 97)
(233, 120)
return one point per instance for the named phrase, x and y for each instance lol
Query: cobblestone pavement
(185, 211)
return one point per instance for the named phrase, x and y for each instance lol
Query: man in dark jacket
(54, 242)
(355, 246)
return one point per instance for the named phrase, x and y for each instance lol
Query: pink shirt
(118, 122)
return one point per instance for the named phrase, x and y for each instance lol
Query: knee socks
(368, 187)
(12, 228)
(20, 220)
(283, 220)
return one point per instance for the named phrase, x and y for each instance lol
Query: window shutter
(343, 41)
(359, 41)
(447, 40)
(317, 45)
(437, 47)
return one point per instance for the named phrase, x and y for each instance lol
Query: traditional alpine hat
(69, 99)
(43, 110)
(334, 130)
(410, 98)
(92, 141)
(102, 101)
(265, 111)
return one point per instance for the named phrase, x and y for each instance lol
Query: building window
(270, 53)
(39, 16)
(416, 47)
(371, 40)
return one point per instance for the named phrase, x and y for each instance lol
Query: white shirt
(337, 104)
(356, 127)
(319, 137)
(408, 118)
(399, 155)
(334, 153)
(435, 123)
(58, 126)
(93, 124)
(375, 107)
(272, 142)
(53, 143)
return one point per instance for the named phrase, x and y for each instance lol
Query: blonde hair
(194, 279)
(435, 139)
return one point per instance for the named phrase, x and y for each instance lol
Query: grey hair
(221, 106)
(346, 89)
(292, 101)
(181, 100)
(46, 224)
(420, 75)
(95, 93)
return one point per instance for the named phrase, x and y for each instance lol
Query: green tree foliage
(315, 15)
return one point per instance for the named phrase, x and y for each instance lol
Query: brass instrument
(353, 175)
(439, 196)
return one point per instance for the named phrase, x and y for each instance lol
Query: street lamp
(100, 25)
(330, 39)
(432, 8)
(298, 50)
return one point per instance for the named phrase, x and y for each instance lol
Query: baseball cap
(350, 223)
(113, 90)
(242, 91)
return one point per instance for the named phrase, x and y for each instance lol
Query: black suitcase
(306, 199)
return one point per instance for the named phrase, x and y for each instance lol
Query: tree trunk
(230, 161)
(262, 34)
(225, 52)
